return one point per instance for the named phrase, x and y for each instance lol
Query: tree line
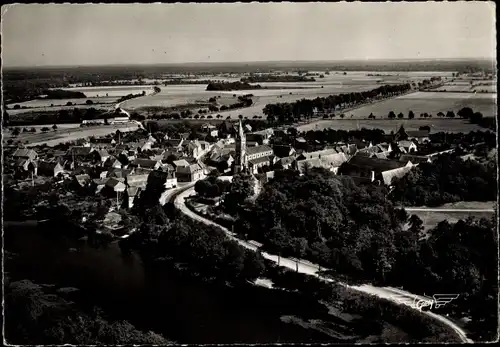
(213, 86)
(295, 111)
(447, 179)
(360, 235)
(276, 78)
(41, 315)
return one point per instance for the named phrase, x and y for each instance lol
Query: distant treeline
(55, 117)
(231, 86)
(63, 94)
(276, 78)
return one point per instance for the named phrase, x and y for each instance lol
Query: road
(311, 269)
(466, 210)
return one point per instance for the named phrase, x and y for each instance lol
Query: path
(309, 268)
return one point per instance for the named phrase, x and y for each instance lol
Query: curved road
(309, 268)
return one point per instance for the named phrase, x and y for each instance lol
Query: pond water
(182, 310)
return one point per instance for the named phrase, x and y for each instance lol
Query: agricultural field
(334, 83)
(40, 103)
(112, 91)
(431, 219)
(429, 102)
(61, 135)
(436, 124)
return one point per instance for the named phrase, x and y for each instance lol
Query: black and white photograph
(249, 173)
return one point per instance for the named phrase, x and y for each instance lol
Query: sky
(101, 34)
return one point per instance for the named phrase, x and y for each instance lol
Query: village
(119, 166)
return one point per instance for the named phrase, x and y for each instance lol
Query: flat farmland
(53, 138)
(112, 91)
(388, 125)
(432, 218)
(429, 102)
(15, 114)
(39, 103)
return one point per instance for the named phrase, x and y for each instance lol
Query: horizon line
(400, 60)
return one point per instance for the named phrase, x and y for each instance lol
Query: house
(24, 166)
(227, 128)
(116, 184)
(119, 120)
(186, 172)
(373, 168)
(262, 136)
(330, 162)
(82, 180)
(98, 184)
(174, 144)
(146, 164)
(408, 146)
(282, 151)
(24, 153)
(421, 136)
(137, 180)
(222, 162)
(112, 162)
(118, 173)
(389, 175)
(285, 163)
(80, 153)
(102, 155)
(165, 178)
(316, 154)
(49, 168)
(210, 129)
(196, 149)
(261, 162)
(258, 152)
(415, 159)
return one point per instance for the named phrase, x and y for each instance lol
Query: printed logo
(419, 302)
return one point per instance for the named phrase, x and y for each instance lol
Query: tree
(16, 132)
(411, 115)
(450, 114)
(89, 102)
(400, 115)
(476, 117)
(342, 115)
(416, 224)
(465, 112)
(440, 114)
(54, 127)
(69, 103)
(391, 115)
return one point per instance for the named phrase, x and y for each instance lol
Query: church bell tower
(240, 163)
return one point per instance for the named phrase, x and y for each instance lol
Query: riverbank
(157, 299)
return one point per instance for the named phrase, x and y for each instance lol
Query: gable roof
(388, 176)
(189, 169)
(258, 149)
(375, 164)
(24, 153)
(180, 163)
(145, 163)
(417, 133)
(415, 159)
(405, 143)
(80, 150)
(260, 160)
(286, 160)
(137, 180)
(48, 167)
(318, 154)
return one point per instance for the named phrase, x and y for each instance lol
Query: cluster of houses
(104, 166)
